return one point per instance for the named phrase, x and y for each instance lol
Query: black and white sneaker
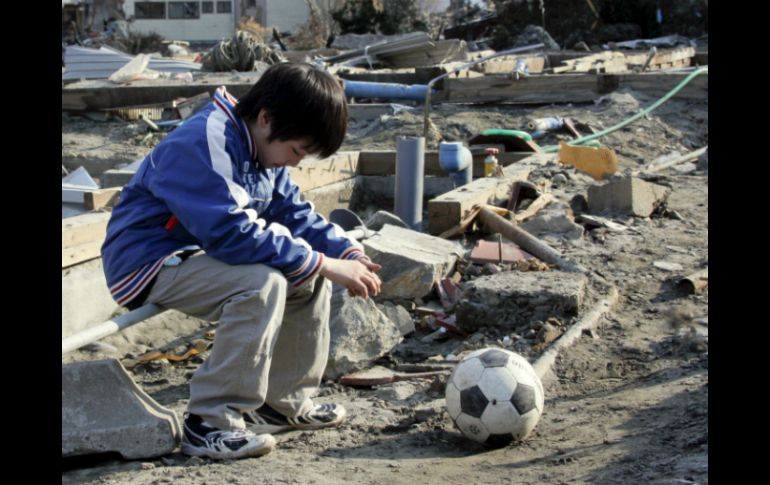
(200, 439)
(268, 420)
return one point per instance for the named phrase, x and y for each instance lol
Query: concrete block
(116, 177)
(628, 195)
(513, 299)
(411, 261)
(360, 334)
(398, 315)
(85, 299)
(381, 190)
(103, 411)
(340, 195)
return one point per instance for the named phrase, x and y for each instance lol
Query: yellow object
(489, 165)
(597, 162)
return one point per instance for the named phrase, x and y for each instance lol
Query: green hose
(585, 139)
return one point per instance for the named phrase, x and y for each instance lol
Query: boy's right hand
(353, 275)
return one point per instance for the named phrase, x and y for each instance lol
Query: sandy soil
(627, 405)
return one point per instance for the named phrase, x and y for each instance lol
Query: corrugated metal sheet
(87, 63)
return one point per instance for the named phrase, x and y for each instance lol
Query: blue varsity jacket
(203, 188)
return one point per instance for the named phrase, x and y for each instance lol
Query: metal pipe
(466, 66)
(527, 241)
(410, 165)
(96, 332)
(364, 89)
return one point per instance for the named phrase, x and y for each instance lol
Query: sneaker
(201, 439)
(268, 420)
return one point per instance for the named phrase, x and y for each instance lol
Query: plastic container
(490, 162)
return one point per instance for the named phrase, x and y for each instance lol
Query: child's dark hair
(301, 101)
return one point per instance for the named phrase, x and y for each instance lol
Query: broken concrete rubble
(554, 220)
(141, 429)
(398, 315)
(360, 334)
(411, 261)
(511, 299)
(627, 194)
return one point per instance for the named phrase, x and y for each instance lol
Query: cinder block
(628, 195)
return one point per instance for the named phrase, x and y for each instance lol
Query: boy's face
(276, 153)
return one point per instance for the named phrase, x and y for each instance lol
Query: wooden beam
(384, 162)
(314, 172)
(82, 237)
(102, 94)
(506, 64)
(81, 253)
(566, 88)
(381, 77)
(448, 210)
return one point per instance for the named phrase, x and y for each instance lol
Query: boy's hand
(359, 278)
(370, 265)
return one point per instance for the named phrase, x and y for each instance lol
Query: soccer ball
(494, 397)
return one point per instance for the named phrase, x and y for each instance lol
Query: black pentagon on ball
(523, 398)
(473, 401)
(498, 440)
(494, 358)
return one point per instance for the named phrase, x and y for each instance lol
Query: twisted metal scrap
(240, 53)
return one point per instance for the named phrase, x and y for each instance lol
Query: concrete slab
(513, 299)
(628, 195)
(411, 261)
(104, 411)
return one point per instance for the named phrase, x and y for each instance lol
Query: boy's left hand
(370, 265)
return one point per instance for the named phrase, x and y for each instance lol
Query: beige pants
(271, 344)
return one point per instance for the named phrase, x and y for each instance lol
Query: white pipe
(92, 334)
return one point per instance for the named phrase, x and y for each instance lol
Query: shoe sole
(191, 450)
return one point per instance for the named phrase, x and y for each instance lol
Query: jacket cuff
(353, 253)
(309, 268)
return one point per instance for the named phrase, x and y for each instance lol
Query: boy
(211, 225)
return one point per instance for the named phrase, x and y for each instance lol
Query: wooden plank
(534, 89)
(506, 64)
(82, 237)
(101, 198)
(566, 88)
(84, 228)
(313, 172)
(381, 77)
(73, 255)
(448, 210)
(101, 94)
(425, 74)
(384, 162)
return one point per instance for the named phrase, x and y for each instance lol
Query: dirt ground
(627, 405)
